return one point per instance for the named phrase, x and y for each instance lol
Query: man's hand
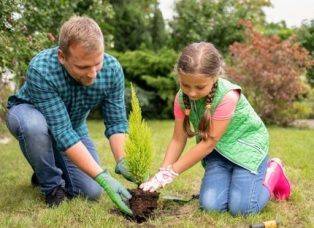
(122, 169)
(163, 177)
(115, 190)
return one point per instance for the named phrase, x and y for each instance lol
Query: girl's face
(196, 86)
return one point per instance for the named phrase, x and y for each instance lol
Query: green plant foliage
(158, 31)
(138, 146)
(131, 23)
(280, 29)
(153, 73)
(305, 36)
(48, 16)
(214, 21)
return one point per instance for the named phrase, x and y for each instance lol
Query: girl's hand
(163, 177)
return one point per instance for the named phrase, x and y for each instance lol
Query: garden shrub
(152, 72)
(272, 73)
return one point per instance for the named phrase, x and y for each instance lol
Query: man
(48, 116)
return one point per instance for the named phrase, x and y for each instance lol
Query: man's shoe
(34, 180)
(56, 197)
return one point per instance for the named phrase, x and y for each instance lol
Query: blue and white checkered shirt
(66, 104)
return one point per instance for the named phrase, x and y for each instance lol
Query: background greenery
(21, 205)
(148, 46)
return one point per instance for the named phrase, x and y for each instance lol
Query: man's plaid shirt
(65, 104)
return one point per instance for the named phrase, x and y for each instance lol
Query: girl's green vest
(245, 141)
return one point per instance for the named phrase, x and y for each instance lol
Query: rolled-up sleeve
(113, 105)
(50, 104)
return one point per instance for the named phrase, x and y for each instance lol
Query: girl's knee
(209, 201)
(246, 202)
(241, 205)
(242, 210)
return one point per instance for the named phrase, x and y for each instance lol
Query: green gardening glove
(115, 190)
(121, 168)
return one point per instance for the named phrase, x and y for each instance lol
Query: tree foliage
(153, 73)
(138, 146)
(157, 30)
(270, 70)
(48, 16)
(129, 26)
(137, 24)
(280, 29)
(214, 21)
(135, 33)
(306, 37)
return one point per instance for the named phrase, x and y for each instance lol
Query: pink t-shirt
(224, 110)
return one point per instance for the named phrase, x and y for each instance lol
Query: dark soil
(143, 204)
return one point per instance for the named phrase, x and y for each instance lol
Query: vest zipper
(196, 116)
(249, 144)
(196, 112)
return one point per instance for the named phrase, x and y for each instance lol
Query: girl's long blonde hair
(200, 58)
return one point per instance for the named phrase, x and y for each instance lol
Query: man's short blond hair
(83, 30)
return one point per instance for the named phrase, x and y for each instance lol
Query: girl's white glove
(163, 177)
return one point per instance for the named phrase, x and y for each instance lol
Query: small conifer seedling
(138, 146)
(139, 156)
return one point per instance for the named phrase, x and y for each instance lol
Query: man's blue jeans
(229, 187)
(52, 167)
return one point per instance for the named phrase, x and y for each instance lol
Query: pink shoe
(277, 181)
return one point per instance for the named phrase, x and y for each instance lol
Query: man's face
(83, 66)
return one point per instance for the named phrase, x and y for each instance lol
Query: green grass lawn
(22, 205)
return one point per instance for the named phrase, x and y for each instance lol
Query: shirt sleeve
(113, 106)
(227, 106)
(50, 104)
(177, 110)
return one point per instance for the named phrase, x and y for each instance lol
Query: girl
(232, 140)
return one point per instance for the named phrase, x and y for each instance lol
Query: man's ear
(61, 56)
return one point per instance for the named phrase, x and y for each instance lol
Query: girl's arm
(167, 175)
(176, 145)
(220, 121)
(202, 149)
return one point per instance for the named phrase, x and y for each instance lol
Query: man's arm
(115, 120)
(114, 114)
(117, 145)
(81, 157)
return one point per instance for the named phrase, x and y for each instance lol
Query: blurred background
(268, 47)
